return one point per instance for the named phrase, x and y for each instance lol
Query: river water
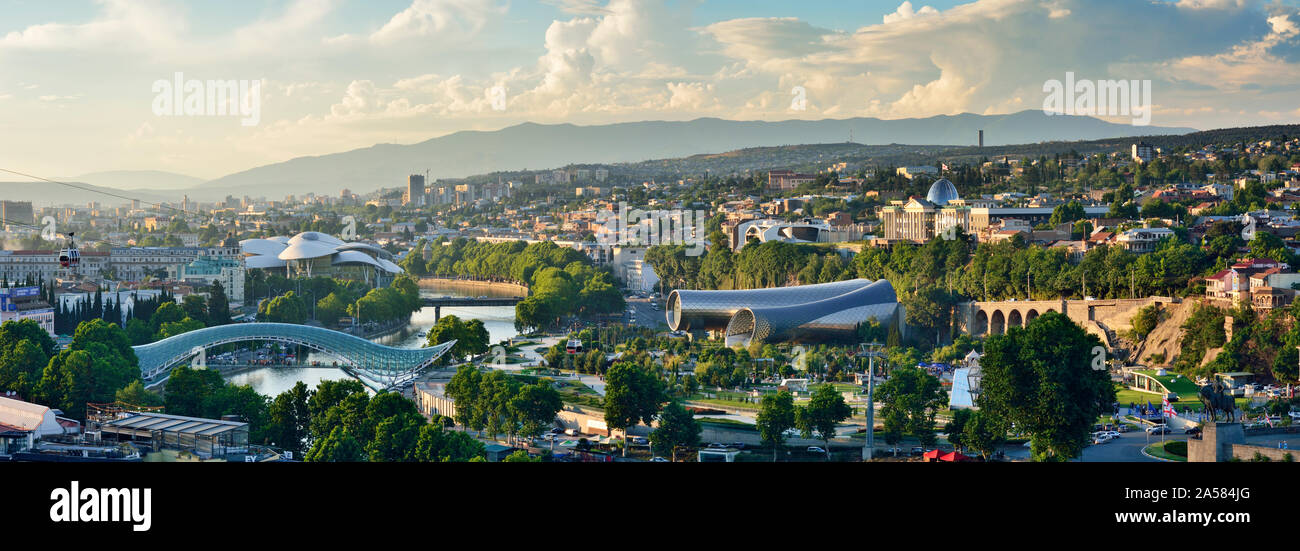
(499, 321)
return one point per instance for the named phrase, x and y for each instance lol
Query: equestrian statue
(1216, 399)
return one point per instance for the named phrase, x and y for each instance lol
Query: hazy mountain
(537, 146)
(137, 179)
(46, 194)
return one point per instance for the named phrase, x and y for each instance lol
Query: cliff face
(1167, 335)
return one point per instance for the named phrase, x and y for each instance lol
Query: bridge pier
(437, 313)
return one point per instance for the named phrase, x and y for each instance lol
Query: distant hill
(137, 179)
(45, 194)
(537, 146)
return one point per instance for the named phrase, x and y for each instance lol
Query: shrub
(1177, 447)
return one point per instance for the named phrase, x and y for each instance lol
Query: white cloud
(438, 18)
(905, 12)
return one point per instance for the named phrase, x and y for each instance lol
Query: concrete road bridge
(438, 302)
(385, 366)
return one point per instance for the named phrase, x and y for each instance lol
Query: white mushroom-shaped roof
(273, 252)
(259, 247)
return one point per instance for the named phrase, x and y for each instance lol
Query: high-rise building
(1143, 152)
(415, 190)
(17, 212)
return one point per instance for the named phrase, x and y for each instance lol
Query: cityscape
(637, 231)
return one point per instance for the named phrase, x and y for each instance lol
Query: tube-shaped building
(712, 310)
(835, 318)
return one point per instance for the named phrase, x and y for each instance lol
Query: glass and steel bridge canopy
(376, 360)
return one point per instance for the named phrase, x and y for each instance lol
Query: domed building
(942, 192)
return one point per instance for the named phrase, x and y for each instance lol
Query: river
(499, 321)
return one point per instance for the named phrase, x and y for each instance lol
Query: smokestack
(981, 138)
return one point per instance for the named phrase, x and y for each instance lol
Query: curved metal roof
(688, 310)
(837, 316)
(377, 359)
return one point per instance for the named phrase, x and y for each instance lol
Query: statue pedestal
(1216, 442)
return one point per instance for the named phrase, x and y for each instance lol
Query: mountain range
(531, 146)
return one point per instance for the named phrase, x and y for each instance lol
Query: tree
(1042, 378)
(677, 429)
(983, 433)
(471, 337)
(955, 427)
(339, 446)
(286, 308)
(137, 395)
(331, 308)
(632, 396)
(196, 308)
(395, 437)
(218, 305)
(917, 396)
(289, 423)
(437, 444)
(535, 407)
(187, 388)
(825, 409)
(776, 415)
(521, 456)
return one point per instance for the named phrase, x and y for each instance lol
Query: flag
(1268, 420)
(1168, 409)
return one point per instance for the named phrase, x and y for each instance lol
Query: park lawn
(1125, 396)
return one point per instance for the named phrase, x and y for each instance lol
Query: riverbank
(504, 287)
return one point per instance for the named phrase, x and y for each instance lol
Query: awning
(953, 457)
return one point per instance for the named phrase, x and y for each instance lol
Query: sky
(79, 78)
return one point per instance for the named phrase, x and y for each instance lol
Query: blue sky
(77, 86)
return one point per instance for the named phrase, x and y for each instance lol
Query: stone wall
(1246, 452)
(1216, 443)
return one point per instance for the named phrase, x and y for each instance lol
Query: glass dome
(941, 192)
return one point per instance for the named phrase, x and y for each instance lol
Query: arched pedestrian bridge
(381, 364)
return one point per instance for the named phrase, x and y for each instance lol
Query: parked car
(717, 446)
(1124, 427)
(571, 432)
(657, 459)
(1158, 429)
(815, 449)
(738, 445)
(1111, 433)
(1193, 431)
(1101, 438)
(918, 450)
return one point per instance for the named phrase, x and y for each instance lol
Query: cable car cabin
(574, 346)
(69, 258)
